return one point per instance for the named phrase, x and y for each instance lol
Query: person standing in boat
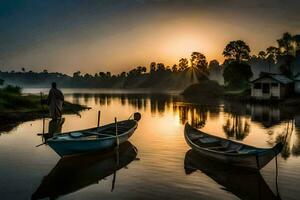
(55, 101)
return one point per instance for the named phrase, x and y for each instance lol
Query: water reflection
(290, 138)
(236, 127)
(269, 116)
(54, 126)
(238, 121)
(243, 184)
(76, 172)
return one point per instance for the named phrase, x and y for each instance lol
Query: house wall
(274, 91)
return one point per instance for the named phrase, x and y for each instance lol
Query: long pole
(43, 114)
(98, 124)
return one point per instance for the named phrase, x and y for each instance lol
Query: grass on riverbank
(12, 100)
(16, 107)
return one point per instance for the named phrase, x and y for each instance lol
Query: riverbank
(16, 108)
(213, 92)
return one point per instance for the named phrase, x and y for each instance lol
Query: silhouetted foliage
(12, 89)
(287, 52)
(204, 89)
(198, 61)
(237, 50)
(237, 74)
(152, 67)
(175, 68)
(183, 64)
(262, 55)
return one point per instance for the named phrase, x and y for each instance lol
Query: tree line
(235, 71)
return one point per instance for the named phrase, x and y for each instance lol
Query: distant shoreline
(37, 90)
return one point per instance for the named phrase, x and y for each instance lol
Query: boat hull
(75, 146)
(253, 161)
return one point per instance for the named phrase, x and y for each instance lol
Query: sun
(181, 44)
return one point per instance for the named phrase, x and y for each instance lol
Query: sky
(117, 35)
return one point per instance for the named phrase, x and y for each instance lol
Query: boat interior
(217, 144)
(101, 132)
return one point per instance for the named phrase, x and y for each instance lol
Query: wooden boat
(228, 151)
(73, 173)
(93, 139)
(242, 183)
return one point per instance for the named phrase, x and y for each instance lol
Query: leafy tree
(102, 74)
(174, 68)
(23, 69)
(87, 75)
(262, 55)
(271, 55)
(161, 67)
(286, 44)
(141, 69)
(152, 67)
(237, 74)
(183, 64)
(198, 61)
(287, 51)
(123, 74)
(237, 51)
(76, 74)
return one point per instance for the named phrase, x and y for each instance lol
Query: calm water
(163, 167)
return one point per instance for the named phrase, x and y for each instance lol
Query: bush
(204, 89)
(12, 89)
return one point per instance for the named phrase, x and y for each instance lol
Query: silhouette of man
(55, 101)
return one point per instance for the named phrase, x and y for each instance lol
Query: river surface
(164, 167)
